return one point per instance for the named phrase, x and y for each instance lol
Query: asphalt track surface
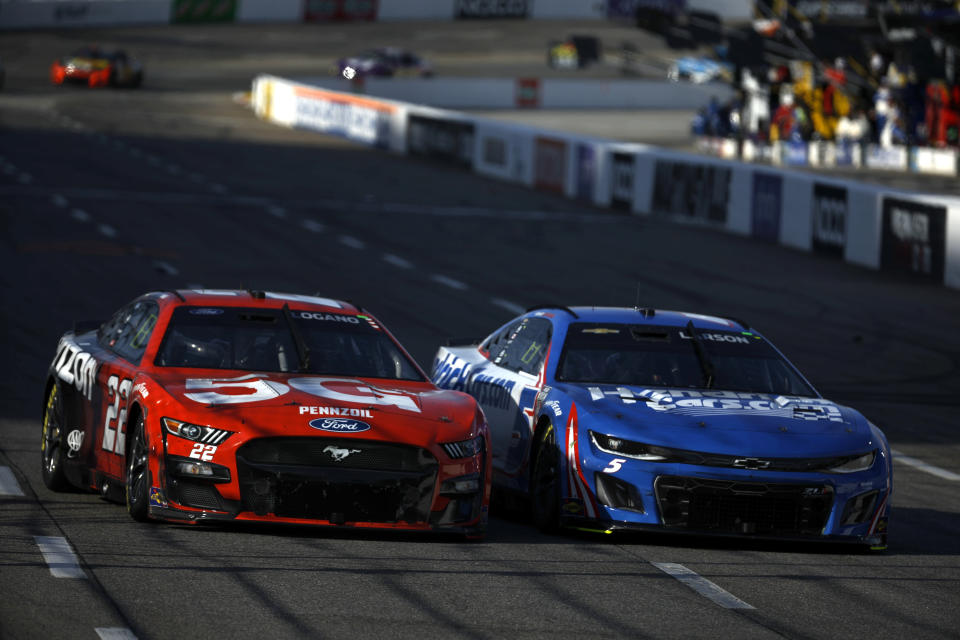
(106, 194)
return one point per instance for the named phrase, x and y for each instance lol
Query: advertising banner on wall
(203, 11)
(694, 191)
(767, 204)
(441, 139)
(492, 8)
(829, 219)
(339, 10)
(360, 119)
(549, 164)
(586, 159)
(913, 238)
(528, 92)
(621, 181)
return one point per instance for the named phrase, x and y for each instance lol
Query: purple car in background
(385, 62)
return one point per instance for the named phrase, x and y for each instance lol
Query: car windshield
(264, 340)
(668, 357)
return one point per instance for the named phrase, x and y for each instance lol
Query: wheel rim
(137, 468)
(50, 444)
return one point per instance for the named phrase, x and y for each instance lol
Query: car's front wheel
(138, 473)
(545, 483)
(53, 441)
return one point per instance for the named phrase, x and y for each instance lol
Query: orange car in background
(97, 67)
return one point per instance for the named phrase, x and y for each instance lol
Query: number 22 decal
(114, 437)
(203, 451)
(614, 465)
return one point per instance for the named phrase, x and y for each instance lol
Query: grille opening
(743, 508)
(618, 494)
(312, 478)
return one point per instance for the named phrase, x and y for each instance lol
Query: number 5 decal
(614, 465)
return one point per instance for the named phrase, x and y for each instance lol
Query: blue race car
(641, 419)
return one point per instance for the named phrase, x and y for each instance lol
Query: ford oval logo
(339, 425)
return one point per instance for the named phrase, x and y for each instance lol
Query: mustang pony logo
(339, 454)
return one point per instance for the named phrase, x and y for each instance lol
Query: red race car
(97, 67)
(201, 405)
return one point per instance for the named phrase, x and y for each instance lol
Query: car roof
(261, 299)
(643, 316)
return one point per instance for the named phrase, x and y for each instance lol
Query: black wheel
(545, 483)
(138, 473)
(53, 442)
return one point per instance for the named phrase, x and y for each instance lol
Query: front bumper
(374, 485)
(679, 498)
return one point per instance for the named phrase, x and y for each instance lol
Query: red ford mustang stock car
(198, 405)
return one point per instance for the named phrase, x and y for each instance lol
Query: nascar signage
(829, 216)
(914, 238)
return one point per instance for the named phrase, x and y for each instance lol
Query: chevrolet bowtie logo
(751, 463)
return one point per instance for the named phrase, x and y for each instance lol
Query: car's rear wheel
(138, 473)
(545, 483)
(53, 442)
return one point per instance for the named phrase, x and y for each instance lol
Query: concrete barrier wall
(30, 14)
(96, 13)
(420, 10)
(566, 9)
(896, 231)
(542, 93)
(270, 11)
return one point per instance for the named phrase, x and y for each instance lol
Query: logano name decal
(75, 366)
(328, 317)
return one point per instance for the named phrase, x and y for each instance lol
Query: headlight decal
(195, 432)
(464, 448)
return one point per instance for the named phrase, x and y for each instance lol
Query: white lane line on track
(353, 243)
(24, 178)
(506, 304)
(115, 633)
(80, 215)
(923, 466)
(397, 261)
(173, 168)
(338, 206)
(277, 211)
(702, 586)
(448, 282)
(8, 483)
(58, 200)
(218, 188)
(313, 225)
(107, 230)
(60, 557)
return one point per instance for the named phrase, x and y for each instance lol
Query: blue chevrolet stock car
(642, 419)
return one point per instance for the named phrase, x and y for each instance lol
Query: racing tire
(137, 80)
(53, 442)
(138, 474)
(545, 483)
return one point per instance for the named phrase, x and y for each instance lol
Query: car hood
(726, 422)
(297, 404)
